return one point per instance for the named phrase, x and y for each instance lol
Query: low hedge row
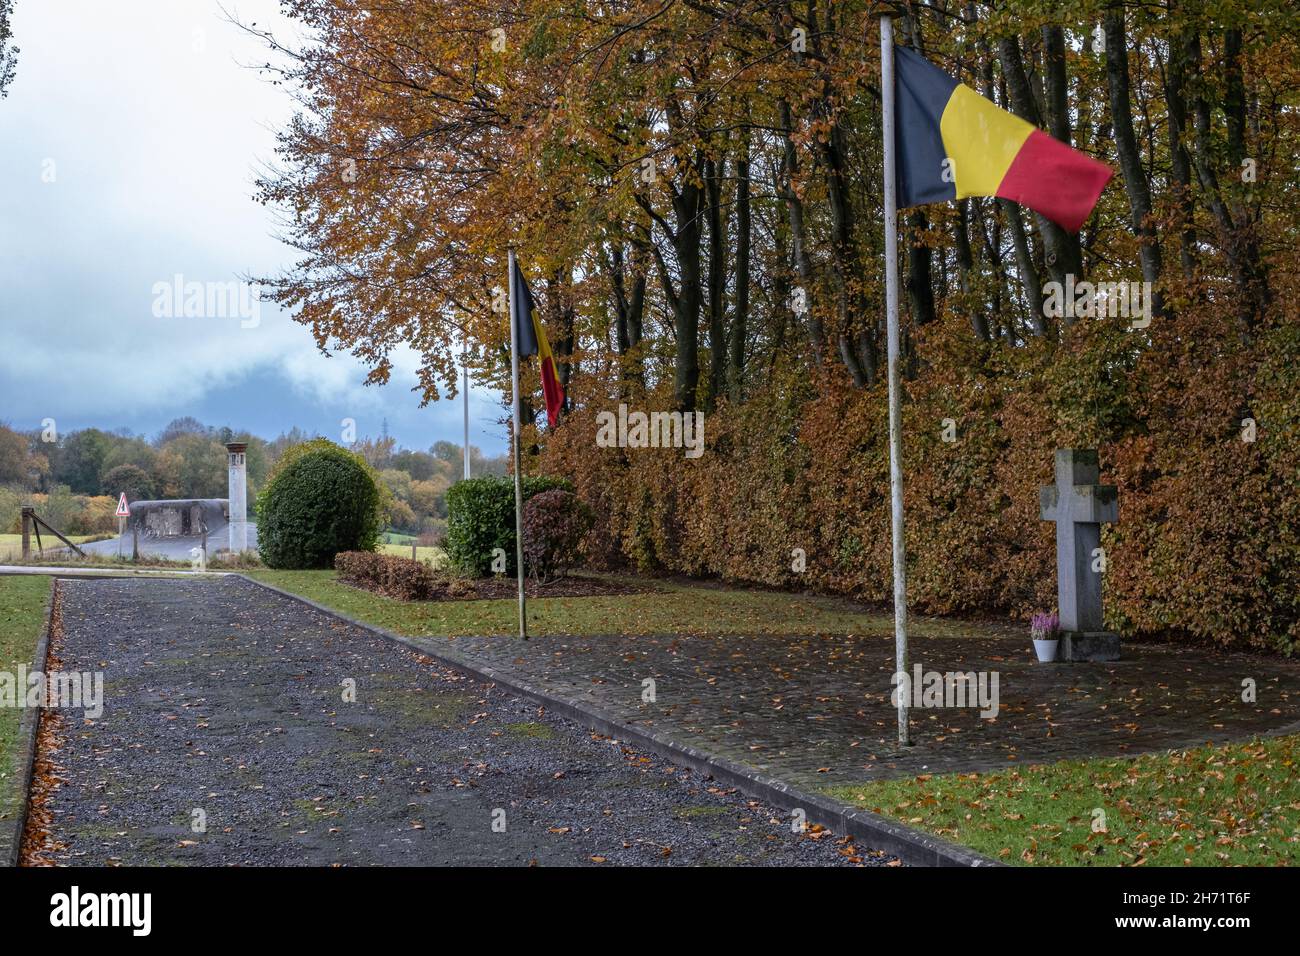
(386, 574)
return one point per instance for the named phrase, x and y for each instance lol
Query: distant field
(436, 555)
(11, 545)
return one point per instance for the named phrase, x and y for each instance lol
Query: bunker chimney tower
(238, 495)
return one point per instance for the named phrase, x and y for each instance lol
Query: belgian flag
(531, 338)
(952, 143)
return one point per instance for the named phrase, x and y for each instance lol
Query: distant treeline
(65, 476)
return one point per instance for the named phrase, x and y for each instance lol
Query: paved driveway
(224, 705)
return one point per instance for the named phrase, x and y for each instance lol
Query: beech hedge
(1198, 427)
(555, 522)
(401, 578)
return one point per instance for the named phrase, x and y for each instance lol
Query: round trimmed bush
(321, 499)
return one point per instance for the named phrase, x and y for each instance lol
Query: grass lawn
(664, 608)
(436, 555)
(1236, 804)
(22, 616)
(11, 545)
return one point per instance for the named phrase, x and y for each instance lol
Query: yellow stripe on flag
(981, 139)
(543, 346)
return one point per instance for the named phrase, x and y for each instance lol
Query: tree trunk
(1059, 248)
(831, 153)
(714, 171)
(1180, 162)
(688, 205)
(1030, 282)
(920, 274)
(798, 234)
(740, 319)
(965, 264)
(628, 308)
(1130, 158)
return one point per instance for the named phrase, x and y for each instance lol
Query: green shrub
(321, 499)
(481, 518)
(555, 522)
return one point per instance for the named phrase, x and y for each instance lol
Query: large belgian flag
(989, 151)
(531, 336)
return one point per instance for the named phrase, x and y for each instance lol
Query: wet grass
(22, 617)
(661, 608)
(1231, 805)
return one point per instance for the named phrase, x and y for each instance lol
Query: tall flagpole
(895, 413)
(464, 387)
(519, 487)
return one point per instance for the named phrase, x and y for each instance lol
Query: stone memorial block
(1079, 504)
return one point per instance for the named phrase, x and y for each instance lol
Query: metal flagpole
(519, 487)
(895, 413)
(464, 387)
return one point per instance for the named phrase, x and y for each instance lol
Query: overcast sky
(128, 148)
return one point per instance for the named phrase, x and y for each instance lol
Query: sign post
(123, 512)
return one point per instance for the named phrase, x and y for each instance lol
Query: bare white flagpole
(519, 487)
(464, 387)
(895, 413)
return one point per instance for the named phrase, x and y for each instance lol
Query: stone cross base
(1089, 646)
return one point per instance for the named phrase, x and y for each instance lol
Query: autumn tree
(8, 52)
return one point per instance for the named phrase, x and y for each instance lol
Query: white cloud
(155, 128)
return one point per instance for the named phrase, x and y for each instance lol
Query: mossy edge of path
(23, 602)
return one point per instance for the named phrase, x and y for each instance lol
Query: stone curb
(877, 832)
(11, 831)
(89, 572)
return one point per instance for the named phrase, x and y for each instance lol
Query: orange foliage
(1209, 523)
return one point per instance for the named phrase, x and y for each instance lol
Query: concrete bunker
(178, 518)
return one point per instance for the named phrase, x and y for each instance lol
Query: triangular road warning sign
(123, 509)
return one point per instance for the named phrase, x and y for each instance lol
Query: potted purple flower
(1045, 630)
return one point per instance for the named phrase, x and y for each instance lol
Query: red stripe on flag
(553, 391)
(1051, 178)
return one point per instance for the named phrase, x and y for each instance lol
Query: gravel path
(224, 702)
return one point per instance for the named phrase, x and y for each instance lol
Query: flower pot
(1046, 650)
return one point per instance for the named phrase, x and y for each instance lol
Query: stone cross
(1078, 505)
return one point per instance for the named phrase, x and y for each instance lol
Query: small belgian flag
(530, 335)
(952, 143)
